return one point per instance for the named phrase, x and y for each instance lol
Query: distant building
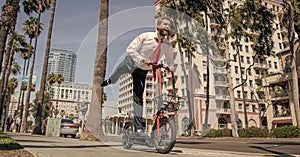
(62, 61)
(68, 99)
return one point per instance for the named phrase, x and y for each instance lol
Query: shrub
(218, 133)
(286, 132)
(253, 132)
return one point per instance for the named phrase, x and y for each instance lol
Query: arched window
(185, 124)
(222, 123)
(239, 124)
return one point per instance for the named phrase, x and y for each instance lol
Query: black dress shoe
(105, 83)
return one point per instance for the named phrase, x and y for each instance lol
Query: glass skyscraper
(62, 61)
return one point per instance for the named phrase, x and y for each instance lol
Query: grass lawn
(7, 143)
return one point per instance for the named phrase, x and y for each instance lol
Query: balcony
(222, 97)
(280, 95)
(220, 71)
(263, 66)
(219, 59)
(257, 77)
(223, 110)
(221, 84)
(282, 113)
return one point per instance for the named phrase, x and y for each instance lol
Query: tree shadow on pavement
(70, 146)
(280, 154)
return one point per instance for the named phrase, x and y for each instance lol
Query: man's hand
(147, 61)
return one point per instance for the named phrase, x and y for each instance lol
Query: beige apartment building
(69, 97)
(278, 89)
(257, 107)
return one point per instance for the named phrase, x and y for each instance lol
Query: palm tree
(8, 22)
(51, 79)
(94, 120)
(32, 27)
(59, 79)
(38, 120)
(17, 42)
(12, 85)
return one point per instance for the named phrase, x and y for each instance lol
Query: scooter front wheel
(164, 137)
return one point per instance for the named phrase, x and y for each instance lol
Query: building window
(247, 107)
(248, 60)
(280, 46)
(251, 83)
(182, 79)
(236, 69)
(275, 65)
(204, 64)
(240, 107)
(270, 64)
(242, 59)
(249, 72)
(253, 108)
(246, 95)
(278, 35)
(243, 70)
(247, 49)
(237, 80)
(204, 77)
(239, 94)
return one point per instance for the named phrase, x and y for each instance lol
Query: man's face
(163, 27)
(165, 24)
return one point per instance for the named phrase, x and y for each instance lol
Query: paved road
(42, 146)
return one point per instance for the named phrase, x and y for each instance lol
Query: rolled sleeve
(133, 48)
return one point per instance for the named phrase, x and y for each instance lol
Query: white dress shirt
(144, 47)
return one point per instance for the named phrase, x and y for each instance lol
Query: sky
(76, 28)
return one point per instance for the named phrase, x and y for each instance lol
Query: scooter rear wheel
(127, 133)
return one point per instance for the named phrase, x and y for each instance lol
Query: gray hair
(159, 20)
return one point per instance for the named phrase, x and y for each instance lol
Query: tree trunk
(94, 119)
(8, 20)
(5, 75)
(25, 108)
(231, 94)
(243, 88)
(38, 120)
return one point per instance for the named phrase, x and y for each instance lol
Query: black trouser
(139, 78)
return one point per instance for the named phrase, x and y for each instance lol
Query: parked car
(67, 127)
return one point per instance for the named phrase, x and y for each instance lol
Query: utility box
(53, 127)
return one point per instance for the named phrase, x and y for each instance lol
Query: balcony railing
(221, 97)
(219, 70)
(260, 65)
(221, 83)
(282, 113)
(223, 110)
(281, 93)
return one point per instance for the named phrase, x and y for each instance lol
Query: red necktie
(155, 58)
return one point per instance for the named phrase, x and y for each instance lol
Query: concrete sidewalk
(42, 146)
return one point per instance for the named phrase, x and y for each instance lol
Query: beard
(163, 32)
